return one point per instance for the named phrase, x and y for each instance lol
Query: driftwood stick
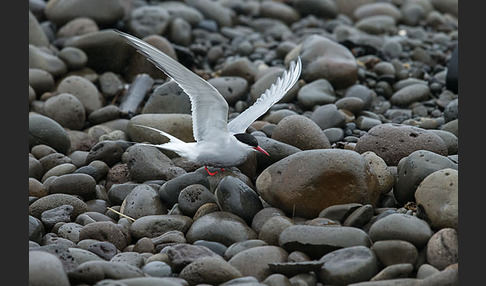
(136, 93)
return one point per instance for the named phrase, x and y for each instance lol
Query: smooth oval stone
(82, 185)
(442, 248)
(36, 188)
(36, 229)
(318, 92)
(81, 255)
(263, 215)
(107, 151)
(143, 200)
(276, 149)
(362, 92)
(52, 160)
(41, 59)
(91, 272)
(169, 192)
(317, 241)
(70, 230)
(327, 116)
(438, 195)
(393, 142)
(324, 58)
(232, 88)
(168, 98)
(58, 171)
(35, 169)
(56, 200)
(211, 270)
(386, 179)
(148, 20)
(157, 269)
(272, 228)
(390, 252)
(280, 11)
(451, 140)
(409, 94)
(148, 163)
(192, 197)
(234, 196)
(155, 225)
(73, 57)
(40, 81)
(223, 227)
(216, 247)
(60, 214)
(394, 272)
(241, 67)
(401, 227)
(413, 169)
(301, 132)
(104, 249)
(129, 257)
(106, 13)
(84, 90)
(307, 182)
(106, 231)
(377, 24)
(254, 261)
(183, 254)
(353, 104)
(118, 192)
(46, 269)
(348, 265)
(44, 130)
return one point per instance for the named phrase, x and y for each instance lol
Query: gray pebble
(154, 225)
(211, 270)
(55, 200)
(254, 261)
(70, 230)
(395, 271)
(359, 217)
(157, 269)
(317, 241)
(241, 67)
(437, 195)
(301, 132)
(180, 32)
(272, 228)
(234, 196)
(46, 269)
(102, 249)
(59, 170)
(361, 91)
(181, 255)
(327, 116)
(263, 215)
(401, 227)
(318, 92)
(44, 59)
(390, 252)
(52, 160)
(104, 114)
(36, 229)
(451, 140)
(91, 272)
(348, 265)
(118, 192)
(130, 258)
(110, 84)
(366, 123)
(168, 98)
(73, 57)
(79, 184)
(40, 81)
(451, 111)
(44, 130)
(170, 191)
(84, 90)
(81, 255)
(410, 94)
(148, 20)
(216, 247)
(194, 196)
(442, 248)
(60, 214)
(143, 200)
(222, 227)
(352, 104)
(232, 88)
(106, 231)
(413, 169)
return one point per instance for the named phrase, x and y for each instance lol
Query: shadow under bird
(218, 143)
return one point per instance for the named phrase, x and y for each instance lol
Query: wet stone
(192, 197)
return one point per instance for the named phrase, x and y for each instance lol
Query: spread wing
(271, 96)
(209, 108)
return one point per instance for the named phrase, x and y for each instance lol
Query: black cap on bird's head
(250, 140)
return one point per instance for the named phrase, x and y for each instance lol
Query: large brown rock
(393, 142)
(306, 182)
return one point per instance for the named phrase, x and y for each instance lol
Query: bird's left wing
(209, 108)
(271, 96)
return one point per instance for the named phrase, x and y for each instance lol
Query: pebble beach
(361, 185)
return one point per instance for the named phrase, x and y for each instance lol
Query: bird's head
(250, 141)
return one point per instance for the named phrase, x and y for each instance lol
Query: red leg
(210, 173)
(222, 170)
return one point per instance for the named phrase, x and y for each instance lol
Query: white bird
(218, 143)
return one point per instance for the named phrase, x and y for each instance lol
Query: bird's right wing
(267, 99)
(209, 108)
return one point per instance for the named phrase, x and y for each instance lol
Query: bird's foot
(210, 173)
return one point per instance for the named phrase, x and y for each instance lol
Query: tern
(218, 143)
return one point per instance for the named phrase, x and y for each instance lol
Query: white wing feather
(271, 96)
(209, 108)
